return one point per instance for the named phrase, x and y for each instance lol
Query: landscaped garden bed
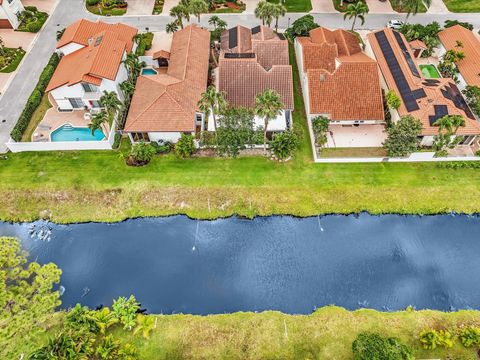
(31, 20)
(225, 6)
(158, 7)
(398, 6)
(10, 58)
(107, 7)
(463, 6)
(342, 5)
(295, 5)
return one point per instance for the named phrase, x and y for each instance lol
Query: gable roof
(256, 61)
(469, 67)
(168, 102)
(425, 99)
(82, 30)
(343, 82)
(98, 60)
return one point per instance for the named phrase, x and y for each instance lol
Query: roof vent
(322, 77)
(90, 41)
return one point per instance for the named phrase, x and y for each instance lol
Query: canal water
(179, 265)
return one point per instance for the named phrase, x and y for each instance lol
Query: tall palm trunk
(265, 121)
(354, 20)
(276, 24)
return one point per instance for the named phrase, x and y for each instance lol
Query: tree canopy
(402, 136)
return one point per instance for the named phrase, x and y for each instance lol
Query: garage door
(5, 24)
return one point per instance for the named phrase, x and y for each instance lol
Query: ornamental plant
(470, 336)
(402, 136)
(125, 310)
(284, 144)
(141, 153)
(185, 147)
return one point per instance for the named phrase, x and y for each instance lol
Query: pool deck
(53, 119)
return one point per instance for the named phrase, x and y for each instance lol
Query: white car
(395, 24)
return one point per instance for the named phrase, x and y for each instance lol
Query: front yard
(295, 5)
(10, 59)
(463, 6)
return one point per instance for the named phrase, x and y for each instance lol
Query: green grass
(397, 6)
(295, 5)
(37, 116)
(324, 335)
(463, 6)
(100, 10)
(98, 186)
(353, 152)
(342, 7)
(16, 57)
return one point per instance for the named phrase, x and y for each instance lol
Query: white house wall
(9, 11)
(277, 124)
(303, 77)
(165, 136)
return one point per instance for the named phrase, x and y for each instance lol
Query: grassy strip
(18, 55)
(37, 117)
(295, 5)
(326, 334)
(353, 152)
(463, 6)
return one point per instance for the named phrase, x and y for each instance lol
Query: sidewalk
(438, 7)
(380, 7)
(323, 6)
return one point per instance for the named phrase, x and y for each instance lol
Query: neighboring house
(10, 11)
(425, 99)
(92, 55)
(250, 62)
(469, 67)
(164, 104)
(341, 82)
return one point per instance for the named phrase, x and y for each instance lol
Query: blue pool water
(176, 264)
(70, 133)
(148, 71)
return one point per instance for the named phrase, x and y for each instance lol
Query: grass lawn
(463, 6)
(353, 152)
(100, 10)
(342, 7)
(97, 185)
(16, 55)
(295, 5)
(324, 335)
(37, 116)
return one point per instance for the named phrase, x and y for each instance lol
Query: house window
(96, 104)
(198, 118)
(89, 88)
(76, 103)
(140, 136)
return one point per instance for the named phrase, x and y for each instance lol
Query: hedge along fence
(35, 98)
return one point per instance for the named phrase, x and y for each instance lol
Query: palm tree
(197, 7)
(133, 65)
(357, 10)
(127, 88)
(180, 12)
(111, 103)
(97, 121)
(212, 102)
(268, 105)
(217, 23)
(414, 6)
(450, 123)
(171, 27)
(278, 10)
(264, 11)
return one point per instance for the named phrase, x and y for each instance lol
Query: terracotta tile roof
(417, 44)
(168, 102)
(266, 67)
(80, 31)
(469, 67)
(161, 54)
(98, 60)
(343, 82)
(436, 90)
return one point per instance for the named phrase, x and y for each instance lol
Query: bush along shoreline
(35, 98)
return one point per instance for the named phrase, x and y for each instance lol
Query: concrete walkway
(380, 7)
(250, 6)
(323, 6)
(438, 7)
(168, 5)
(140, 7)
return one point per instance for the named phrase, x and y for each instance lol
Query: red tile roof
(168, 102)
(343, 82)
(435, 90)
(268, 67)
(469, 67)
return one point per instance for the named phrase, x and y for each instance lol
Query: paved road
(68, 11)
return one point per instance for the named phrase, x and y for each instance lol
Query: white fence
(415, 157)
(64, 145)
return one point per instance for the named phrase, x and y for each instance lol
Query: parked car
(395, 24)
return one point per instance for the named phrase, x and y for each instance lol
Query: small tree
(97, 121)
(125, 311)
(472, 96)
(235, 131)
(447, 128)
(284, 144)
(180, 12)
(171, 27)
(369, 346)
(447, 65)
(402, 136)
(111, 103)
(185, 147)
(320, 127)
(217, 23)
(142, 153)
(393, 101)
(212, 102)
(268, 105)
(301, 27)
(278, 10)
(356, 10)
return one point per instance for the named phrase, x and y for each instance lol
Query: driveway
(380, 7)
(140, 7)
(167, 6)
(438, 7)
(323, 6)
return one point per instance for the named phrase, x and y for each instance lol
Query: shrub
(431, 339)
(117, 140)
(125, 311)
(472, 95)
(393, 101)
(35, 98)
(470, 336)
(185, 146)
(162, 147)
(320, 127)
(284, 144)
(144, 42)
(141, 153)
(207, 139)
(369, 346)
(466, 25)
(92, 2)
(402, 136)
(34, 26)
(301, 27)
(78, 318)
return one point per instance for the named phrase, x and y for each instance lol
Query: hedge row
(35, 98)
(145, 43)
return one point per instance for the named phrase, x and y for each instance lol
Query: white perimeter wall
(69, 48)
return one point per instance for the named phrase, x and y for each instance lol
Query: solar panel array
(440, 111)
(239, 55)
(406, 93)
(406, 54)
(256, 29)
(452, 93)
(232, 38)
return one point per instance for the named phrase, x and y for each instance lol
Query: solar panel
(399, 77)
(256, 29)
(406, 54)
(232, 38)
(419, 94)
(440, 111)
(239, 55)
(452, 93)
(281, 36)
(430, 82)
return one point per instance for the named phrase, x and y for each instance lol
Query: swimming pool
(68, 132)
(430, 71)
(148, 71)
